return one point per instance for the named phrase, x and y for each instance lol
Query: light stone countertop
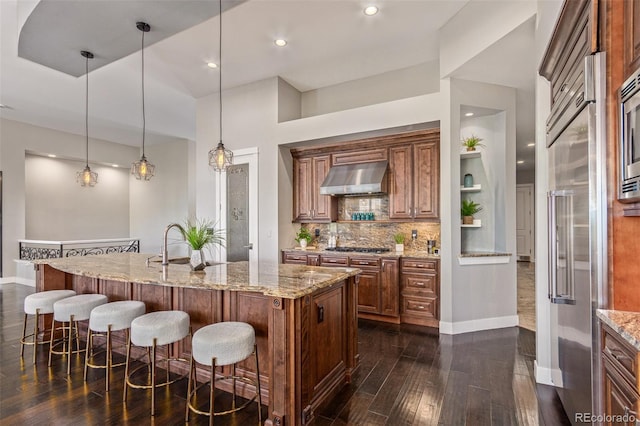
(626, 324)
(272, 279)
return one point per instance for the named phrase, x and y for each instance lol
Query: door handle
(250, 246)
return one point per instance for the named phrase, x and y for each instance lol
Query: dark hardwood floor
(408, 376)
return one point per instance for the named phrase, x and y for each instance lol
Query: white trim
(543, 375)
(483, 260)
(16, 280)
(478, 325)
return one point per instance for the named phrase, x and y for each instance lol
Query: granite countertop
(272, 279)
(626, 324)
(390, 254)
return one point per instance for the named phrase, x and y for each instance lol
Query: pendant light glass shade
(143, 169)
(86, 177)
(220, 158)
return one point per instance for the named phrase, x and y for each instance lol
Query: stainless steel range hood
(356, 179)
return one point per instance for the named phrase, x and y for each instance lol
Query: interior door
(524, 221)
(238, 245)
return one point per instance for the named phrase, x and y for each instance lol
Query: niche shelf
(474, 188)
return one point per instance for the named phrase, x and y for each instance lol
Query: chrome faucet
(165, 256)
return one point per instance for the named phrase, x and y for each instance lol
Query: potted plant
(303, 237)
(198, 234)
(467, 209)
(399, 239)
(472, 142)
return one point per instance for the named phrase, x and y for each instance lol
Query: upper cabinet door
(631, 36)
(302, 194)
(426, 188)
(401, 182)
(323, 206)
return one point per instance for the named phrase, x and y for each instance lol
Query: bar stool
(38, 304)
(223, 343)
(107, 318)
(71, 310)
(149, 331)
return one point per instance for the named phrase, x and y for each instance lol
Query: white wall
(58, 208)
(162, 200)
(408, 82)
(17, 138)
(476, 297)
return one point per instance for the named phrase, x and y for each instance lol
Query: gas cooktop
(359, 249)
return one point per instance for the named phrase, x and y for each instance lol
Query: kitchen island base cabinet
(307, 345)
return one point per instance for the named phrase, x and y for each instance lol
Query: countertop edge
(625, 323)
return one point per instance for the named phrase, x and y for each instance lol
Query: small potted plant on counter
(303, 237)
(471, 142)
(198, 234)
(467, 209)
(399, 239)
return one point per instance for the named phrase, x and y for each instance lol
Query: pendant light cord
(220, 71)
(86, 108)
(144, 121)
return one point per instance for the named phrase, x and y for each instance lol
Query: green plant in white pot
(399, 239)
(198, 234)
(303, 237)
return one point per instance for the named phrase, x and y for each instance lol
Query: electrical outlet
(317, 231)
(414, 234)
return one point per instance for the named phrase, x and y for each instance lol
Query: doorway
(525, 250)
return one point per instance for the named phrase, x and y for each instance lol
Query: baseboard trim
(543, 374)
(16, 280)
(478, 325)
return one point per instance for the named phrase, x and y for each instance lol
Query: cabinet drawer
(295, 258)
(334, 260)
(419, 264)
(621, 356)
(421, 306)
(423, 285)
(360, 262)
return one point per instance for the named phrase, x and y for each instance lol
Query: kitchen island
(305, 317)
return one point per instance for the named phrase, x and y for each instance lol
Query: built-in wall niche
(377, 205)
(487, 167)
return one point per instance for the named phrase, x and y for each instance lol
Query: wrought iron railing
(43, 249)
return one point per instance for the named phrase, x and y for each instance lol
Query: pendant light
(220, 158)
(86, 177)
(143, 169)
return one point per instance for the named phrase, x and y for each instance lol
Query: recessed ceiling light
(370, 10)
(531, 144)
(469, 114)
(51, 155)
(114, 165)
(212, 65)
(280, 42)
(520, 161)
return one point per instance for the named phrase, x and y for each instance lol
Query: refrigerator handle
(553, 248)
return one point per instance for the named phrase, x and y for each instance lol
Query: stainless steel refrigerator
(577, 239)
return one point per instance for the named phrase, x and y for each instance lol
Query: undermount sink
(183, 261)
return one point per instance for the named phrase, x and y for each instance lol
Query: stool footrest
(128, 378)
(221, 413)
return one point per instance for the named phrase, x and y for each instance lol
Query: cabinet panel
(294, 258)
(356, 157)
(423, 284)
(420, 306)
(390, 288)
(327, 325)
(620, 401)
(426, 186)
(631, 36)
(333, 260)
(369, 292)
(323, 206)
(400, 195)
(308, 204)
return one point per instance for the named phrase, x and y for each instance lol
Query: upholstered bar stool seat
(38, 304)
(149, 331)
(71, 310)
(220, 344)
(107, 318)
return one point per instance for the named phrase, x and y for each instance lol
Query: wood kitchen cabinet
(414, 181)
(420, 291)
(620, 376)
(308, 204)
(631, 36)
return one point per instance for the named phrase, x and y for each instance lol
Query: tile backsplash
(375, 233)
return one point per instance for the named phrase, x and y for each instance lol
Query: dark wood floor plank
(409, 375)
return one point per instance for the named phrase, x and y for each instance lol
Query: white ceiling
(330, 42)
